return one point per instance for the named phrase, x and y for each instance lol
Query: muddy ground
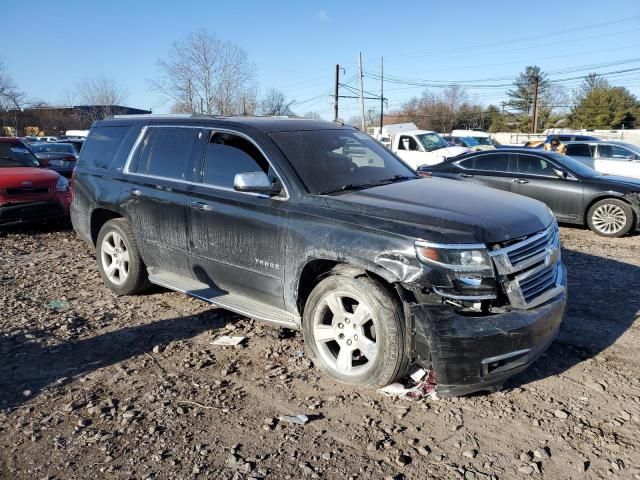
(94, 386)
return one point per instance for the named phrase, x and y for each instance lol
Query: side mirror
(561, 173)
(256, 182)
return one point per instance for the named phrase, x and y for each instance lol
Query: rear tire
(354, 331)
(119, 261)
(610, 218)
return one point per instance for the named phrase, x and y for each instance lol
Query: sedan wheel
(610, 218)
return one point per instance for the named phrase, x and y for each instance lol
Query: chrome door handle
(200, 206)
(520, 180)
(466, 175)
(135, 192)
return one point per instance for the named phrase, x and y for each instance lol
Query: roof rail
(162, 115)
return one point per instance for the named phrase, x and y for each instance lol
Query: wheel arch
(99, 217)
(315, 270)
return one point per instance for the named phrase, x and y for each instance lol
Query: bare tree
(203, 74)
(275, 102)
(312, 116)
(100, 94)
(10, 95)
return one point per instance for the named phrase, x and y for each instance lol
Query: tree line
(595, 104)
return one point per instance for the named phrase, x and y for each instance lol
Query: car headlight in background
(458, 258)
(62, 185)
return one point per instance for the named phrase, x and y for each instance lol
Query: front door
(236, 238)
(156, 195)
(537, 179)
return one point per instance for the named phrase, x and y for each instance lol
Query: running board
(236, 303)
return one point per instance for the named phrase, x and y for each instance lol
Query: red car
(29, 193)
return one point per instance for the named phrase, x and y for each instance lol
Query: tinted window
(534, 165)
(564, 139)
(166, 152)
(579, 150)
(330, 159)
(102, 144)
(16, 155)
(490, 162)
(229, 154)
(621, 152)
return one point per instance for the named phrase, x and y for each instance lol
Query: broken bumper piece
(469, 354)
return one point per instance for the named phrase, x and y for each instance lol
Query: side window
(101, 146)
(534, 165)
(620, 152)
(228, 154)
(166, 152)
(605, 151)
(490, 162)
(407, 143)
(564, 139)
(579, 150)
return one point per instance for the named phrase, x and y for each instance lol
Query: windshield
(16, 155)
(340, 159)
(576, 166)
(469, 141)
(53, 148)
(483, 140)
(431, 141)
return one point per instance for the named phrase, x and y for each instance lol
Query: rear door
(156, 195)
(617, 160)
(491, 169)
(236, 238)
(537, 179)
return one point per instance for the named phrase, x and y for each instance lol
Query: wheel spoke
(334, 302)
(125, 256)
(110, 269)
(361, 315)
(323, 333)
(344, 360)
(367, 347)
(108, 248)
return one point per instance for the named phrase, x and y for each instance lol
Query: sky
(50, 46)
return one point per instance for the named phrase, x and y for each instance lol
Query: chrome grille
(530, 270)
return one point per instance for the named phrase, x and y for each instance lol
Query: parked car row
(28, 192)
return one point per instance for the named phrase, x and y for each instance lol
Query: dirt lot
(94, 386)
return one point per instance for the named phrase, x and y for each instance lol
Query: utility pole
(335, 95)
(534, 119)
(362, 127)
(381, 93)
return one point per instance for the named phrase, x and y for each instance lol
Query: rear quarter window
(102, 146)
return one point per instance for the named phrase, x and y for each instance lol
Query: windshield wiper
(398, 178)
(345, 188)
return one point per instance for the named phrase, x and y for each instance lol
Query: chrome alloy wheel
(115, 258)
(344, 330)
(609, 219)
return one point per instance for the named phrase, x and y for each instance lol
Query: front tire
(354, 331)
(610, 218)
(119, 261)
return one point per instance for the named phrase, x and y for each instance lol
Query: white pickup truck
(419, 147)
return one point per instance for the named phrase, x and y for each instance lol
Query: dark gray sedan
(577, 194)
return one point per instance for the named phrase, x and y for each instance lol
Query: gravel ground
(97, 386)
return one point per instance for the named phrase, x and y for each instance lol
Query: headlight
(62, 185)
(458, 258)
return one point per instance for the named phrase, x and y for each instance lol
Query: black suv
(314, 226)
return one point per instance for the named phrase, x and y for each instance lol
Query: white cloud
(323, 16)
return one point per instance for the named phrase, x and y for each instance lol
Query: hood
(14, 176)
(445, 211)
(627, 183)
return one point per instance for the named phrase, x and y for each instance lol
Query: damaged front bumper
(479, 353)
